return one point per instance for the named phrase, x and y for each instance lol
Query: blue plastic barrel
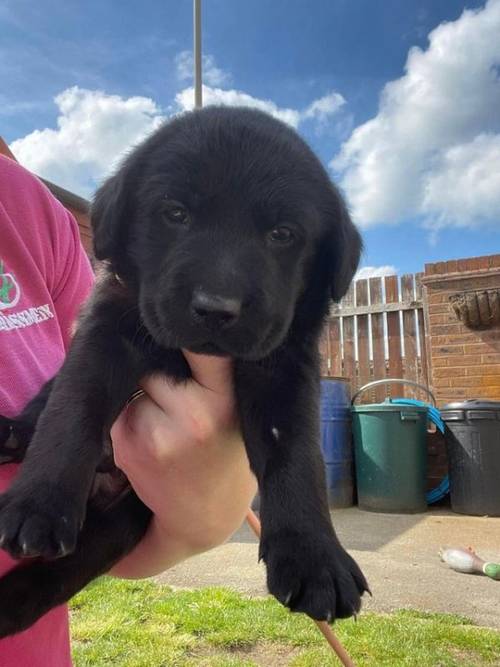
(336, 441)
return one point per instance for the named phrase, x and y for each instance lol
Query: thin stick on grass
(323, 626)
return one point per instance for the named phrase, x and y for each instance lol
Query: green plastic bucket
(390, 456)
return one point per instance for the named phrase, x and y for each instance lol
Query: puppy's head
(229, 229)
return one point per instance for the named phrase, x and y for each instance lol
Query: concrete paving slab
(398, 554)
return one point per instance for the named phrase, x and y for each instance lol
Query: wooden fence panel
(349, 366)
(324, 351)
(377, 320)
(423, 377)
(335, 347)
(394, 336)
(365, 332)
(409, 330)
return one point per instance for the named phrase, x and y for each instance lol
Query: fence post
(348, 331)
(335, 348)
(379, 370)
(363, 333)
(394, 335)
(409, 330)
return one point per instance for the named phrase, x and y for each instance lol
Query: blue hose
(435, 417)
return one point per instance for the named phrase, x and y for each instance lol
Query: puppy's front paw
(43, 521)
(311, 573)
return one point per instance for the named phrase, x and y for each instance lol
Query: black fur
(186, 231)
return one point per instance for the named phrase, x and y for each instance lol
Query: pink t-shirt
(44, 278)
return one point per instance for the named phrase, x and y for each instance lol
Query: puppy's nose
(215, 311)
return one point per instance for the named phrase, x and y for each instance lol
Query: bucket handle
(376, 383)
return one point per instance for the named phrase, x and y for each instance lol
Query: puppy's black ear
(347, 248)
(108, 216)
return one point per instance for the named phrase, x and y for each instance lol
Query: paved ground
(398, 553)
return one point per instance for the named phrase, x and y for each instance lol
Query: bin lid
(471, 409)
(388, 406)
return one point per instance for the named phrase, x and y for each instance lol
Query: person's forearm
(155, 553)
(171, 541)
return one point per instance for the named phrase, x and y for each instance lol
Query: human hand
(181, 449)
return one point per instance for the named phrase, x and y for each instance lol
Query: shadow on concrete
(399, 555)
(363, 531)
(370, 531)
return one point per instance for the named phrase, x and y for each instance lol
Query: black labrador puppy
(222, 234)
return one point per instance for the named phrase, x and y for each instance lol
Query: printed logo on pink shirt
(10, 291)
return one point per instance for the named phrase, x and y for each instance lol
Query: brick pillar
(464, 361)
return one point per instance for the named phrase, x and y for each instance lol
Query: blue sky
(418, 158)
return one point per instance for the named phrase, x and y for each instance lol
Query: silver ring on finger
(137, 394)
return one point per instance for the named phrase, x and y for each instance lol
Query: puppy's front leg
(43, 510)
(30, 591)
(307, 568)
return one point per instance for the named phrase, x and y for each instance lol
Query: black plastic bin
(472, 431)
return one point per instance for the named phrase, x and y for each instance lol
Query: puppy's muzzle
(213, 311)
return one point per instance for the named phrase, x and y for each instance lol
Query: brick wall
(84, 226)
(464, 362)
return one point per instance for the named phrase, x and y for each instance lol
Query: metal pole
(198, 102)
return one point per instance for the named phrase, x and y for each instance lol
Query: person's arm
(182, 451)
(51, 236)
(73, 277)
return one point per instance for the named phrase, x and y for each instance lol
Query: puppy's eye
(177, 214)
(282, 235)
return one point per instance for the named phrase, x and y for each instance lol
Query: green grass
(141, 624)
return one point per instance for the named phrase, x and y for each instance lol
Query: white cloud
(212, 75)
(466, 184)
(185, 102)
(324, 107)
(94, 130)
(433, 150)
(375, 272)
(318, 109)
(184, 65)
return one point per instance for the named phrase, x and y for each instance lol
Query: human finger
(213, 373)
